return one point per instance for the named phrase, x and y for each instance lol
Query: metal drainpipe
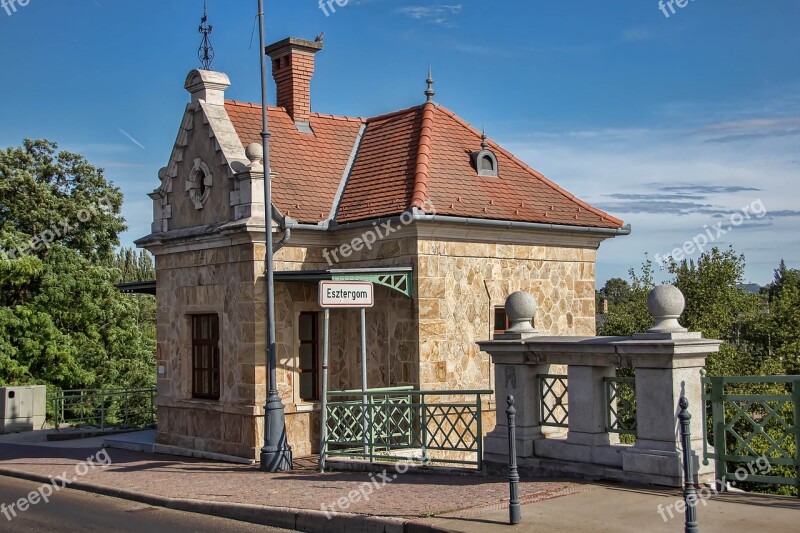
(287, 234)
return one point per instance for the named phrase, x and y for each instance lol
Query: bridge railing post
(689, 490)
(514, 510)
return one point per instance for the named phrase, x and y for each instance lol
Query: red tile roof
(418, 157)
(308, 168)
(381, 181)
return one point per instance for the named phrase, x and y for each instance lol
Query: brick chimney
(292, 68)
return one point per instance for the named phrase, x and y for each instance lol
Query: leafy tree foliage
(628, 303)
(44, 194)
(62, 320)
(783, 327)
(133, 265)
(616, 290)
(761, 337)
(761, 334)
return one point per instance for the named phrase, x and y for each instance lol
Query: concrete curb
(310, 521)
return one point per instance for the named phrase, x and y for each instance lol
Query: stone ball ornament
(255, 154)
(520, 309)
(666, 303)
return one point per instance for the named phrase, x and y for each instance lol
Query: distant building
(446, 223)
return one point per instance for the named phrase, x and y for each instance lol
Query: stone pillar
(247, 197)
(518, 381)
(668, 360)
(587, 405)
(513, 377)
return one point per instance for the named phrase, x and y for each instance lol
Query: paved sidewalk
(616, 509)
(218, 487)
(397, 502)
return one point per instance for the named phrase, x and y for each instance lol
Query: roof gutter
(290, 224)
(419, 216)
(515, 224)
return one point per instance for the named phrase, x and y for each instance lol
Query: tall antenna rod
(206, 52)
(276, 455)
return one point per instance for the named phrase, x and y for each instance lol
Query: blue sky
(671, 123)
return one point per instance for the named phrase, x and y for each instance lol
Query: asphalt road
(73, 510)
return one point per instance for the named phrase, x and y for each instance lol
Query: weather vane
(206, 52)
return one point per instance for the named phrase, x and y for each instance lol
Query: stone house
(446, 223)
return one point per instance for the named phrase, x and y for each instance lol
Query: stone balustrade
(667, 361)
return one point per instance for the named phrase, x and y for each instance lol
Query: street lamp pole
(276, 455)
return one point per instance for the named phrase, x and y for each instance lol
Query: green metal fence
(104, 408)
(620, 405)
(553, 400)
(753, 418)
(402, 424)
(620, 401)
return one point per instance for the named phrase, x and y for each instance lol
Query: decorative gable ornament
(199, 184)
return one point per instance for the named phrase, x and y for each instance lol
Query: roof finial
(429, 92)
(484, 144)
(206, 52)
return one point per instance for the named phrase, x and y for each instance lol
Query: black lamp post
(276, 455)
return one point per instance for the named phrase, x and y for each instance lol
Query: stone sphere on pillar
(255, 154)
(666, 303)
(520, 309)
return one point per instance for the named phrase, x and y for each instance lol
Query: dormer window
(488, 165)
(485, 161)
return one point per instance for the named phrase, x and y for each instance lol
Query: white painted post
(364, 399)
(323, 416)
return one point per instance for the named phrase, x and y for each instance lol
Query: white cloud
(633, 35)
(441, 14)
(669, 184)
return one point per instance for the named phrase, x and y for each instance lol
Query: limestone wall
(428, 341)
(392, 345)
(459, 285)
(391, 331)
(218, 280)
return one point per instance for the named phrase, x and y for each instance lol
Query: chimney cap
(291, 43)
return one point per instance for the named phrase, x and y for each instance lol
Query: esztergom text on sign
(346, 294)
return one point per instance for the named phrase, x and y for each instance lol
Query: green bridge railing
(620, 403)
(402, 424)
(753, 418)
(104, 408)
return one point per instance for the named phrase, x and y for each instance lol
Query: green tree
(627, 313)
(784, 319)
(46, 196)
(719, 308)
(616, 290)
(133, 265)
(62, 320)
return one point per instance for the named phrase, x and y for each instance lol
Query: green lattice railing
(103, 408)
(620, 405)
(553, 400)
(754, 417)
(402, 424)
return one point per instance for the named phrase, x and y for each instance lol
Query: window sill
(308, 407)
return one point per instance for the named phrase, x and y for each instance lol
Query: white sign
(346, 294)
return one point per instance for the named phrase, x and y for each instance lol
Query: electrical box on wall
(22, 408)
